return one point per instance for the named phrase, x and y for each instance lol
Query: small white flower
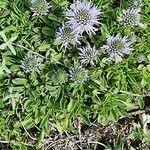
(117, 47)
(130, 17)
(40, 7)
(78, 74)
(31, 62)
(88, 55)
(83, 16)
(67, 36)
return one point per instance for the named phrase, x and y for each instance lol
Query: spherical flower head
(130, 17)
(31, 63)
(66, 36)
(88, 55)
(78, 74)
(40, 7)
(83, 16)
(117, 47)
(60, 76)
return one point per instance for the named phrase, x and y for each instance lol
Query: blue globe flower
(117, 46)
(78, 74)
(83, 16)
(31, 62)
(88, 55)
(67, 36)
(130, 17)
(40, 7)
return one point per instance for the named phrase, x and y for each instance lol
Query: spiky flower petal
(40, 7)
(66, 36)
(130, 17)
(88, 55)
(78, 74)
(31, 63)
(82, 16)
(60, 76)
(117, 46)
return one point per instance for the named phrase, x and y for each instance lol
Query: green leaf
(55, 57)
(140, 102)
(63, 102)
(2, 34)
(53, 17)
(104, 30)
(5, 13)
(12, 39)
(44, 123)
(103, 119)
(54, 90)
(114, 115)
(10, 28)
(15, 68)
(13, 102)
(3, 46)
(18, 89)
(26, 122)
(86, 118)
(19, 81)
(44, 47)
(9, 42)
(71, 105)
(57, 42)
(143, 82)
(47, 31)
(59, 127)
(11, 48)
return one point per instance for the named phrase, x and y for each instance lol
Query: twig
(138, 112)
(7, 142)
(4, 142)
(36, 53)
(28, 50)
(26, 144)
(95, 142)
(26, 130)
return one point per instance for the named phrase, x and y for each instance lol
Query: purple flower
(82, 16)
(31, 62)
(66, 36)
(117, 47)
(78, 74)
(88, 55)
(130, 17)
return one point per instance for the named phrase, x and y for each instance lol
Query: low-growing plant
(61, 60)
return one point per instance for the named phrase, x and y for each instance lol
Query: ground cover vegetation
(74, 74)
